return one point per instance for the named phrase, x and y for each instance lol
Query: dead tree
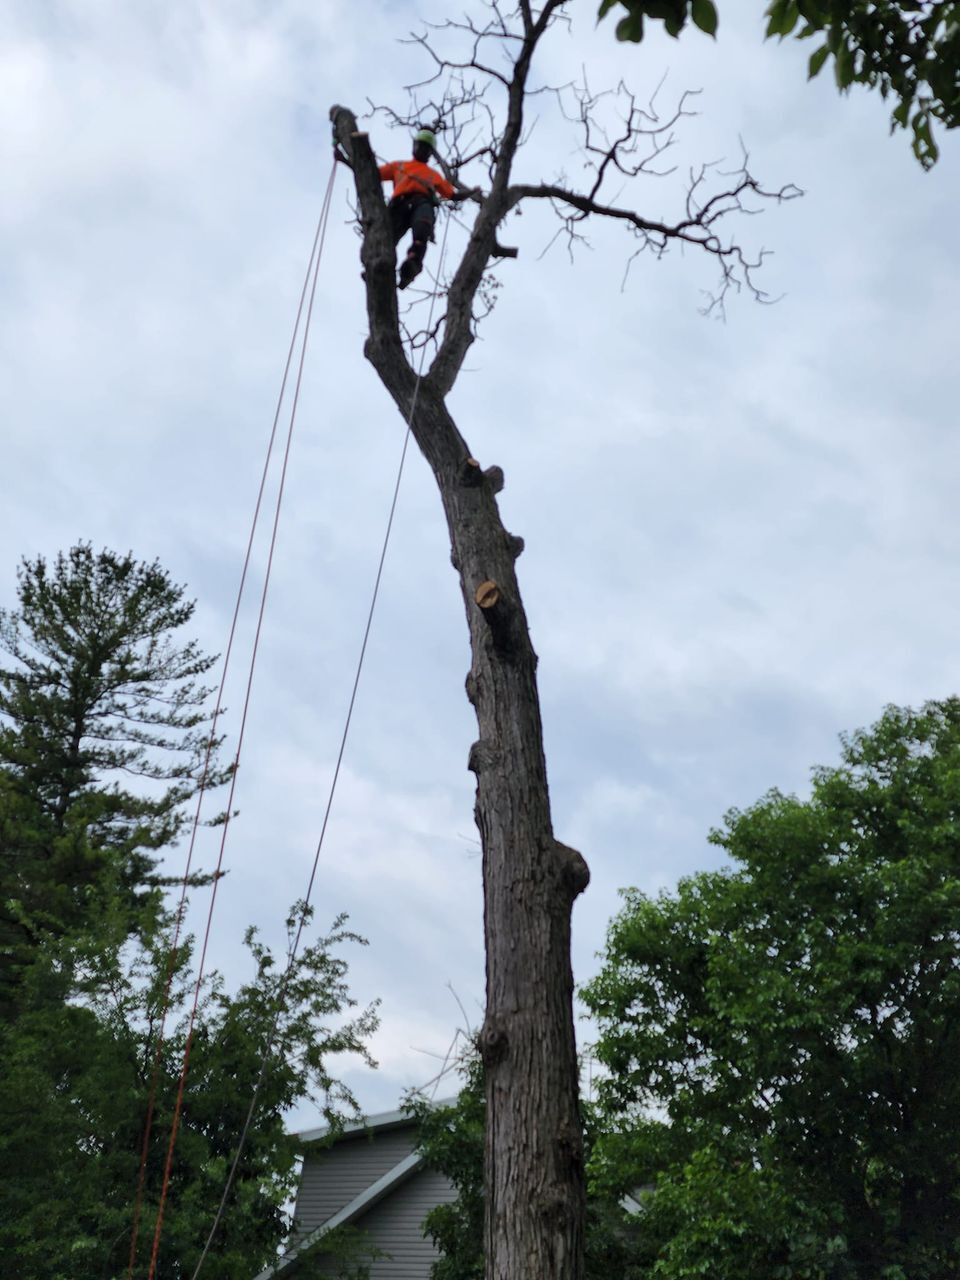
(534, 1158)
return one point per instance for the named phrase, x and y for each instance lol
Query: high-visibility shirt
(413, 177)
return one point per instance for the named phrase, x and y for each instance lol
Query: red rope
(312, 270)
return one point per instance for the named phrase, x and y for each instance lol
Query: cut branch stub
(494, 478)
(501, 617)
(471, 474)
(487, 595)
(576, 873)
(515, 544)
(492, 1042)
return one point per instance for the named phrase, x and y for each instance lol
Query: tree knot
(483, 755)
(494, 478)
(492, 1042)
(500, 615)
(575, 871)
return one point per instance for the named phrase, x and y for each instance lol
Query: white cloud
(741, 538)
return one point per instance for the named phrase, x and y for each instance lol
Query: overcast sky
(742, 538)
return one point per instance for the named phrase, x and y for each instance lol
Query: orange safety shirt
(413, 177)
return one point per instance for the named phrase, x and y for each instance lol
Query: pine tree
(103, 739)
(98, 693)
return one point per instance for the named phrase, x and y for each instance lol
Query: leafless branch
(700, 227)
(624, 140)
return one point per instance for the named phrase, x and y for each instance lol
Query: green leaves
(844, 66)
(74, 1079)
(97, 684)
(674, 14)
(97, 691)
(704, 14)
(816, 61)
(905, 49)
(796, 1020)
(631, 28)
(782, 17)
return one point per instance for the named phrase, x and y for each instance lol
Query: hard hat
(427, 136)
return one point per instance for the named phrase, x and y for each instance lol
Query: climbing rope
(292, 955)
(311, 276)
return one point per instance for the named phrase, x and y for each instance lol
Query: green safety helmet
(427, 136)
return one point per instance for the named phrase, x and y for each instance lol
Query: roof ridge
(379, 1120)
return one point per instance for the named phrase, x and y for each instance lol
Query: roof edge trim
(365, 1200)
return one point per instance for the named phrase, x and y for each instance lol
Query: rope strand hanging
(311, 280)
(310, 276)
(201, 792)
(270, 1045)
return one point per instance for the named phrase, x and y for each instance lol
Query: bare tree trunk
(535, 1207)
(533, 1149)
(534, 1152)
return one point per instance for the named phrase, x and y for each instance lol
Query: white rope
(269, 1047)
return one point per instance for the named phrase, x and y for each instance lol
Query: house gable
(368, 1178)
(334, 1176)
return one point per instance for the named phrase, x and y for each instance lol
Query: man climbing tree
(533, 1144)
(417, 190)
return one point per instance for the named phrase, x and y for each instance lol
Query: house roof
(382, 1120)
(392, 1179)
(367, 1198)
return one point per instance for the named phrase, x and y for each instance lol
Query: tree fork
(535, 1201)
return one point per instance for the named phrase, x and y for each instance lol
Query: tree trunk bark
(533, 1150)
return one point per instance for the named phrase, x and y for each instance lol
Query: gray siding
(395, 1226)
(333, 1176)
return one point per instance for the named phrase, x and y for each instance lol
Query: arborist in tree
(417, 191)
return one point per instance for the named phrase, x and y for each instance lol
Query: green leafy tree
(74, 1084)
(103, 740)
(783, 1037)
(909, 50)
(451, 1140)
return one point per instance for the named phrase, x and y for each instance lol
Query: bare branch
(458, 334)
(700, 227)
(622, 140)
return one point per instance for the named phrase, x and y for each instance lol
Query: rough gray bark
(534, 1156)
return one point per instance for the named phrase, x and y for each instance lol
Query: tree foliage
(909, 50)
(793, 1026)
(103, 738)
(75, 1076)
